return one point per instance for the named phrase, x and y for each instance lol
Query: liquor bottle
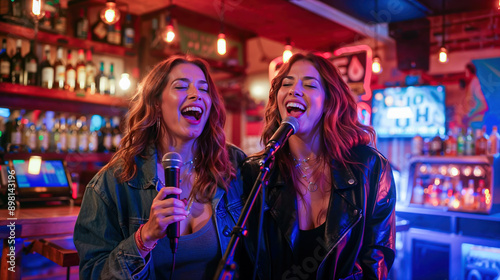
(43, 138)
(116, 134)
(16, 8)
(72, 135)
(90, 72)
(417, 145)
(82, 25)
(460, 143)
(418, 193)
(46, 21)
(118, 34)
(481, 142)
(31, 67)
(16, 65)
(59, 20)
(70, 74)
(62, 143)
(83, 136)
(450, 145)
(4, 63)
(128, 32)
(31, 138)
(16, 145)
(81, 76)
(482, 193)
(469, 143)
(111, 81)
(55, 135)
(108, 137)
(47, 70)
(436, 146)
(99, 31)
(93, 141)
(60, 70)
(493, 141)
(101, 80)
(469, 195)
(446, 193)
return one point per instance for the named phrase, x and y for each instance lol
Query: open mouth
(295, 109)
(192, 113)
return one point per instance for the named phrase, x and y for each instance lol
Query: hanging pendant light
(287, 53)
(221, 38)
(443, 52)
(110, 14)
(376, 61)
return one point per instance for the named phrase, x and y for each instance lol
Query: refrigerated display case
(465, 184)
(452, 205)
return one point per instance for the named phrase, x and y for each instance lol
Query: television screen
(52, 174)
(407, 111)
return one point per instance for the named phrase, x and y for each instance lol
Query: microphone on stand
(171, 163)
(287, 128)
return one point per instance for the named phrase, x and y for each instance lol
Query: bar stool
(60, 251)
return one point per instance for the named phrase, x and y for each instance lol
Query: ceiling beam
(339, 17)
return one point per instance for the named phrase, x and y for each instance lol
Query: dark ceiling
(279, 19)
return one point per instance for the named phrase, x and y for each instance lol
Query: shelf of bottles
(60, 136)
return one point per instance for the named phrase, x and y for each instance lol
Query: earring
(158, 124)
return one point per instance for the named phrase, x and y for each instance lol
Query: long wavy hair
(141, 131)
(340, 127)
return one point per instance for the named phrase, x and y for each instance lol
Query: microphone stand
(227, 266)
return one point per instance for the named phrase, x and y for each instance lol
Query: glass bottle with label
(418, 193)
(82, 25)
(43, 138)
(108, 137)
(460, 142)
(90, 71)
(60, 70)
(93, 141)
(62, 144)
(493, 147)
(101, 80)
(112, 81)
(17, 65)
(116, 134)
(81, 76)
(450, 145)
(4, 63)
(417, 145)
(99, 31)
(16, 8)
(83, 136)
(128, 32)
(31, 138)
(16, 136)
(47, 70)
(72, 135)
(481, 142)
(31, 66)
(469, 143)
(70, 73)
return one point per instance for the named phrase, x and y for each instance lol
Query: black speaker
(412, 43)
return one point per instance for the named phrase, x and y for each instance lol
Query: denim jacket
(111, 213)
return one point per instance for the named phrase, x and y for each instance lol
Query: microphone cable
(173, 266)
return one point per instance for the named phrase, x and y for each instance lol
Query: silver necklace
(311, 186)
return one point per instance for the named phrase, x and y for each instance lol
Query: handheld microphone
(171, 163)
(287, 128)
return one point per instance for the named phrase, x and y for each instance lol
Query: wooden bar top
(40, 222)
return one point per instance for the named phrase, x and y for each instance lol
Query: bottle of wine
(82, 25)
(112, 81)
(81, 76)
(83, 136)
(72, 135)
(47, 70)
(16, 65)
(16, 8)
(90, 71)
(4, 63)
(62, 144)
(59, 20)
(128, 32)
(43, 138)
(60, 70)
(101, 80)
(70, 73)
(31, 66)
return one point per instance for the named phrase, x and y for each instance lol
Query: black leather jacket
(359, 237)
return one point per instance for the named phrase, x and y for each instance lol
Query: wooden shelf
(67, 41)
(33, 98)
(68, 157)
